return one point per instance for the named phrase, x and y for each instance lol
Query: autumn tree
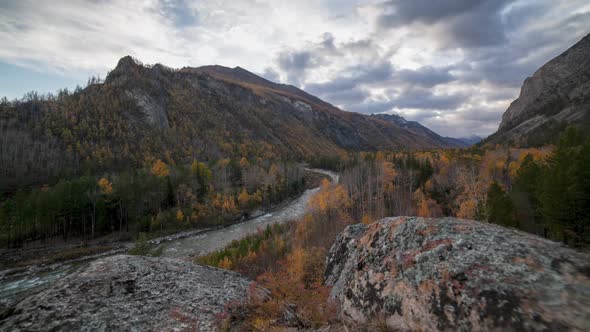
(160, 169)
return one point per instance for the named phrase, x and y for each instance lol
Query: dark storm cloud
(425, 99)
(298, 61)
(179, 12)
(343, 89)
(399, 12)
(295, 64)
(270, 74)
(463, 23)
(369, 73)
(508, 65)
(426, 76)
(348, 87)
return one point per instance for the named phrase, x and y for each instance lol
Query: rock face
(130, 293)
(450, 274)
(557, 94)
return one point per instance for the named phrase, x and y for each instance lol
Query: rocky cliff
(558, 94)
(449, 274)
(130, 293)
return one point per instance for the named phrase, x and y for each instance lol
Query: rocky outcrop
(450, 274)
(130, 293)
(558, 94)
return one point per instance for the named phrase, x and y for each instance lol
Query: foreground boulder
(451, 274)
(130, 293)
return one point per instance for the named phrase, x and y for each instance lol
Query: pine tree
(499, 207)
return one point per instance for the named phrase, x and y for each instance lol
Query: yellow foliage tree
(244, 162)
(160, 169)
(179, 215)
(106, 187)
(244, 199)
(229, 205)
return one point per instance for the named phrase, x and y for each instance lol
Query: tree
(525, 194)
(179, 215)
(203, 175)
(244, 199)
(499, 207)
(244, 162)
(160, 169)
(562, 196)
(106, 187)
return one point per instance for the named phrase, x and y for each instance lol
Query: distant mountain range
(428, 134)
(557, 95)
(141, 113)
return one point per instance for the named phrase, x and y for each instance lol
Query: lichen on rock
(451, 274)
(131, 293)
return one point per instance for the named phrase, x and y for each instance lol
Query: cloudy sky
(453, 65)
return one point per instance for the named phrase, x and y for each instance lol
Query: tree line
(160, 198)
(544, 191)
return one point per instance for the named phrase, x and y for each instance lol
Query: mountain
(557, 95)
(141, 113)
(417, 128)
(464, 141)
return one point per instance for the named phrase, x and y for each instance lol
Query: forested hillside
(158, 199)
(139, 114)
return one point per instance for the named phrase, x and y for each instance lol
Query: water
(14, 286)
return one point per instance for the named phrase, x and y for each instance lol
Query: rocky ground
(450, 274)
(131, 293)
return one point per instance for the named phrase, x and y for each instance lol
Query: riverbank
(43, 255)
(17, 282)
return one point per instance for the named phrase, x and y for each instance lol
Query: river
(15, 285)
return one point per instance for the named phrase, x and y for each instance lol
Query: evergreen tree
(499, 207)
(559, 193)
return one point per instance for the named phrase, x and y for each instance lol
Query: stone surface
(556, 95)
(450, 274)
(130, 293)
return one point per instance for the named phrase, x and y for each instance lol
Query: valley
(376, 167)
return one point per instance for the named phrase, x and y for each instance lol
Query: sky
(453, 65)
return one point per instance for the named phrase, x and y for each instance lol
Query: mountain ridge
(141, 113)
(555, 96)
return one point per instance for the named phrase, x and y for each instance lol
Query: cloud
(463, 23)
(179, 11)
(419, 98)
(270, 74)
(426, 76)
(295, 64)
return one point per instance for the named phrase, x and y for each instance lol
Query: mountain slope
(557, 95)
(464, 141)
(417, 128)
(141, 113)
